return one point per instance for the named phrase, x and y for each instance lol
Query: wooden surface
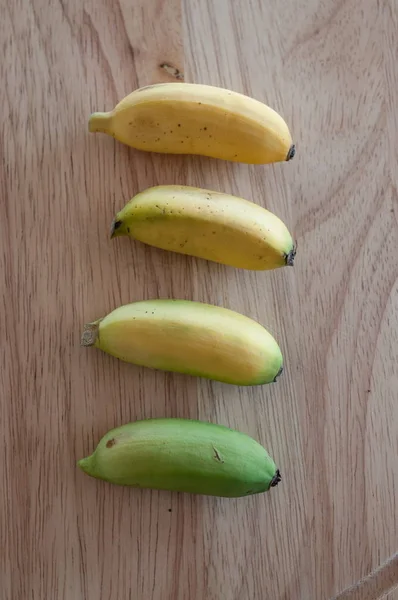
(331, 421)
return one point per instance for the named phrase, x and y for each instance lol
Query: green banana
(184, 456)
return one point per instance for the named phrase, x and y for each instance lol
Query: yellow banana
(207, 224)
(187, 118)
(185, 456)
(189, 337)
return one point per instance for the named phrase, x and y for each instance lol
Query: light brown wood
(331, 421)
(375, 585)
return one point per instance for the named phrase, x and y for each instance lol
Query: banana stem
(85, 464)
(90, 333)
(99, 122)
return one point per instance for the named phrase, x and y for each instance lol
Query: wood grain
(331, 422)
(375, 585)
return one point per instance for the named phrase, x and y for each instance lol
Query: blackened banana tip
(115, 225)
(279, 373)
(291, 153)
(289, 258)
(276, 479)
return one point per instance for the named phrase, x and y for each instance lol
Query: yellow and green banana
(207, 224)
(184, 456)
(189, 337)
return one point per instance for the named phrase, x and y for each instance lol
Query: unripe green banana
(189, 337)
(207, 224)
(184, 456)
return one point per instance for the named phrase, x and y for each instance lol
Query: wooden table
(331, 421)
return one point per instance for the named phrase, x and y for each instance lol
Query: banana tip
(116, 223)
(279, 373)
(289, 258)
(276, 478)
(291, 153)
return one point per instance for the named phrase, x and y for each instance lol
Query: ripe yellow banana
(187, 118)
(185, 456)
(207, 224)
(189, 337)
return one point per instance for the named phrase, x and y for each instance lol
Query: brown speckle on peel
(110, 443)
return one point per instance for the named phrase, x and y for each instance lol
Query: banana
(207, 224)
(184, 456)
(187, 118)
(188, 337)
